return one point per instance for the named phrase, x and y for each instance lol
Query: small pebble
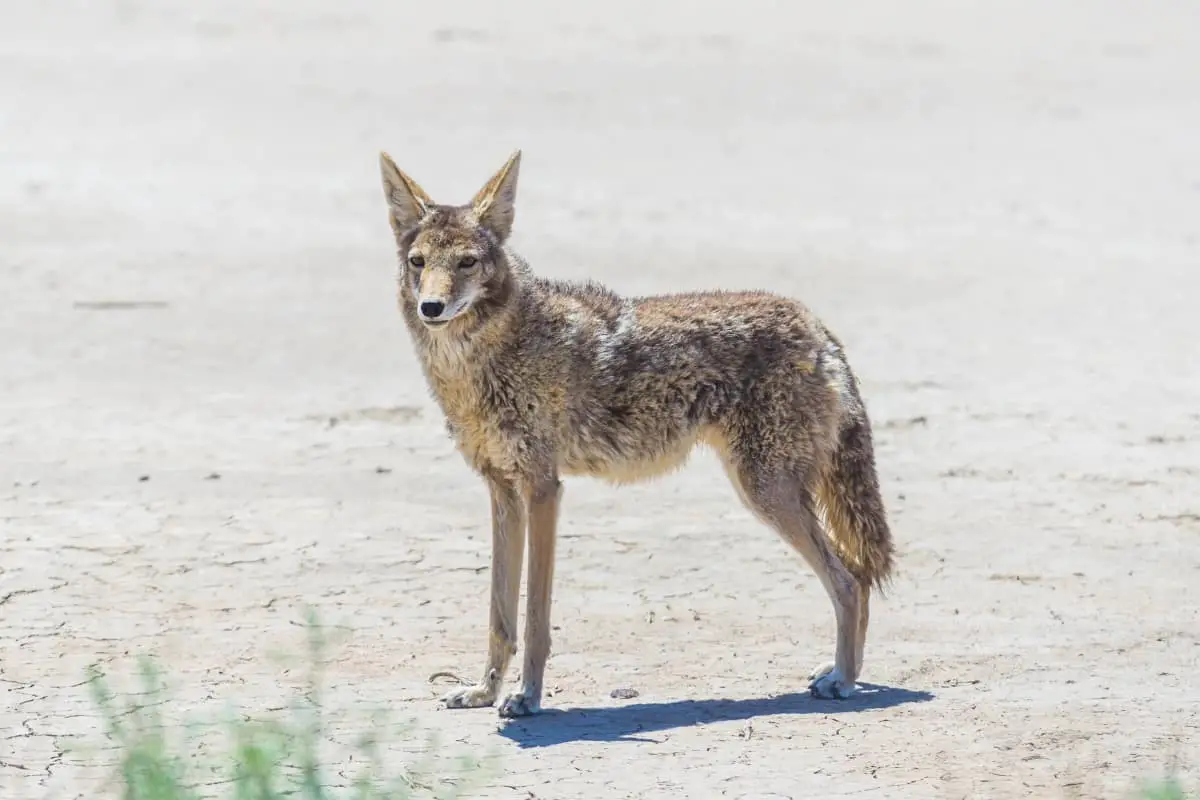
(623, 694)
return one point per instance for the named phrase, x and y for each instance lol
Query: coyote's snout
(540, 378)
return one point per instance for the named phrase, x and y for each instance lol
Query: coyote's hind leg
(784, 501)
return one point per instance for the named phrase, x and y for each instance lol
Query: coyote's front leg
(508, 550)
(543, 498)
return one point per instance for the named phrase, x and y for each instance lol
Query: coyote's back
(539, 378)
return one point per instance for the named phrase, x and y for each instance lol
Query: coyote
(540, 378)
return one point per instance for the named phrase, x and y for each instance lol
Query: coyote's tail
(854, 512)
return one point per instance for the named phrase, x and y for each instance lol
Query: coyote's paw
(828, 683)
(520, 704)
(476, 696)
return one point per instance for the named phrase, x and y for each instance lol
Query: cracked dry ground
(210, 416)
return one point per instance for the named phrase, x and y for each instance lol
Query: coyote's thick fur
(540, 378)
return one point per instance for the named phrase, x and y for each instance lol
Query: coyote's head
(453, 269)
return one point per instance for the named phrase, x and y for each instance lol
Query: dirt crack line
(4, 598)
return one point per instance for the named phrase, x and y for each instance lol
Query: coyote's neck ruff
(540, 378)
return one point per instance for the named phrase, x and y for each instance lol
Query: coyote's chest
(484, 416)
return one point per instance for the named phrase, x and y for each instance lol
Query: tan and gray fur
(540, 378)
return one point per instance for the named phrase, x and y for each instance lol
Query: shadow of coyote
(540, 378)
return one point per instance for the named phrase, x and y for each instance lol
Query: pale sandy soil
(997, 208)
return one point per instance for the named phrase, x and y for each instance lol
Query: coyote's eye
(467, 262)
(417, 261)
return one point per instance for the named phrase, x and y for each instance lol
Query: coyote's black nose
(432, 309)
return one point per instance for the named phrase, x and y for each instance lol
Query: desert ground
(211, 416)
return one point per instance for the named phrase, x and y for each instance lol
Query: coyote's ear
(495, 203)
(408, 202)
